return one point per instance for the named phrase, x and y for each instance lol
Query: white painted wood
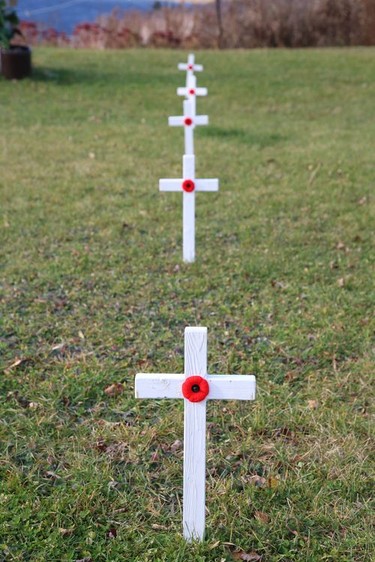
(189, 121)
(191, 92)
(195, 438)
(190, 64)
(158, 385)
(226, 387)
(188, 227)
(222, 387)
(188, 218)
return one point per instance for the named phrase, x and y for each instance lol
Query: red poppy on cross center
(188, 121)
(192, 92)
(190, 67)
(195, 388)
(188, 185)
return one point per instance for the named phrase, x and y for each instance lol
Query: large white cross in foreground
(196, 387)
(188, 185)
(189, 121)
(190, 68)
(192, 92)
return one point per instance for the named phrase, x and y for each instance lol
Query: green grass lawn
(94, 290)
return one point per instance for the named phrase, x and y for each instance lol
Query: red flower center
(195, 388)
(188, 121)
(188, 185)
(190, 66)
(192, 91)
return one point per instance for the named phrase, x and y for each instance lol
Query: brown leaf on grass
(262, 517)
(313, 404)
(272, 482)
(85, 559)
(258, 481)
(341, 282)
(114, 389)
(66, 532)
(16, 363)
(247, 556)
(363, 200)
(176, 446)
(112, 533)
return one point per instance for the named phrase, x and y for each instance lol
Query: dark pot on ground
(15, 62)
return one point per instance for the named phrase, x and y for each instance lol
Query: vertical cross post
(188, 185)
(196, 387)
(195, 438)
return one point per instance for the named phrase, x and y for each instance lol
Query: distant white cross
(188, 185)
(192, 92)
(189, 121)
(190, 68)
(196, 387)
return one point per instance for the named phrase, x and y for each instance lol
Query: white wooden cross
(189, 121)
(196, 387)
(188, 185)
(192, 92)
(190, 68)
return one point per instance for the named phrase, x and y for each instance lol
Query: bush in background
(226, 23)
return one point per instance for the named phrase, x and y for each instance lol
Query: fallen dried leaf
(272, 482)
(257, 481)
(112, 533)
(66, 532)
(341, 282)
(176, 446)
(262, 517)
(247, 556)
(313, 404)
(114, 389)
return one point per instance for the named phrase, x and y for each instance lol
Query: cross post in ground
(188, 185)
(196, 387)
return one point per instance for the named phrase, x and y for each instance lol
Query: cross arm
(178, 120)
(207, 185)
(221, 387)
(197, 91)
(231, 387)
(158, 385)
(192, 67)
(170, 184)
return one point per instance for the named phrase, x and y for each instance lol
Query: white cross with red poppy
(192, 92)
(189, 121)
(190, 68)
(196, 387)
(188, 185)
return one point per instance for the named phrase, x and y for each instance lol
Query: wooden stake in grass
(192, 92)
(196, 387)
(188, 185)
(189, 121)
(190, 68)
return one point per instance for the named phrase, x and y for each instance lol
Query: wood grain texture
(158, 385)
(195, 439)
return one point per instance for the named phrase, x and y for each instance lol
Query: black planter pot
(15, 62)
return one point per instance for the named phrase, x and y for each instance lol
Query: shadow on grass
(91, 75)
(243, 136)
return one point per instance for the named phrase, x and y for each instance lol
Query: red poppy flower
(188, 121)
(188, 186)
(195, 388)
(190, 67)
(192, 91)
